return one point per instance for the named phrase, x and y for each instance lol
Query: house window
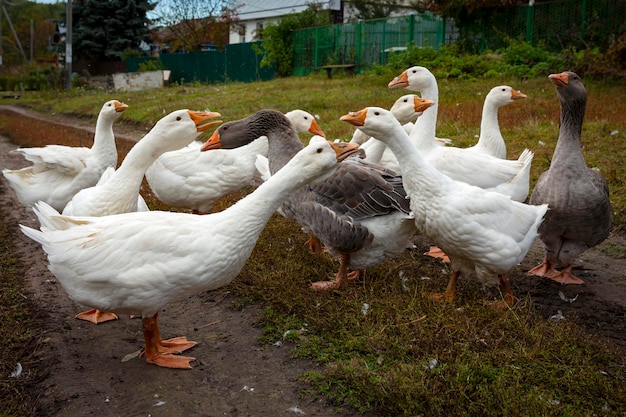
(258, 33)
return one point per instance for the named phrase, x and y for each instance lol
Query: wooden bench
(349, 68)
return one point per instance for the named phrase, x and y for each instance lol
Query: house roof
(263, 9)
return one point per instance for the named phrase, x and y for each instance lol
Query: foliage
(103, 30)
(185, 25)
(151, 65)
(21, 14)
(31, 77)
(367, 9)
(278, 38)
(518, 58)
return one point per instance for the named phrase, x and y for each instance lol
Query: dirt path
(233, 375)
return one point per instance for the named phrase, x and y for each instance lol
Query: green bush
(518, 59)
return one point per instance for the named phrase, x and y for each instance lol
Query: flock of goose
(361, 201)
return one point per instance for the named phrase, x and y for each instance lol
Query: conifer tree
(104, 29)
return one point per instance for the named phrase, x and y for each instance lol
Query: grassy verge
(385, 347)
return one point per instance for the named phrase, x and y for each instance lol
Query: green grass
(18, 334)
(488, 362)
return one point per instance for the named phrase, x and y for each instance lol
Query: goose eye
(504, 89)
(179, 118)
(320, 150)
(377, 113)
(306, 118)
(224, 128)
(406, 100)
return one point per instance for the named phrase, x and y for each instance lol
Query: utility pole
(0, 39)
(68, 46)
(32, 38)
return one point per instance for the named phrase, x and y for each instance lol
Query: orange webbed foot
(327, 285)
(566, 277)
(446, 297)
(176, 344)
(544, 269)
(436, 252)
(96, 316)
(168, 360)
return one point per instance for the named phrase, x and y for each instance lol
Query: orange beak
(344, 149)
(516, 95)
(560, 80)
(401, 81)
(421, 104)
(200, 118)
(119, 106)
(212, 143)
(316, 130)
(356, 118)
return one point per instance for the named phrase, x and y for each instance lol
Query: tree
(368, 9)
(278, 44)
(104, 29)
(21, 15)
(188, 24)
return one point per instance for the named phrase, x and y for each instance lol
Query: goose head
(404, 108)
(304, 122)
(320, 155)
(376, 121)
(503, 95)
(569, 86)
(270, 123)
(112, 109)
(180, 127)
(415, 79)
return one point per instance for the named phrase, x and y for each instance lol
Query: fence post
(315, 60)
(357, 43)
(529, 21)
(411, 28)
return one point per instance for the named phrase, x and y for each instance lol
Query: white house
(254, 15)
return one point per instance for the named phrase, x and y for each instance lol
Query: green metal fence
(557, 24)
(365, 42)
(239, 62)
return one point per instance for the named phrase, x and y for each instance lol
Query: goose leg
(545, 269)
(162, 352)
(341, 278)
(508, 298)
(450, 292)
(96, 316)
(314, 244)
(566, 277)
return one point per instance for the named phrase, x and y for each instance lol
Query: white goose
(482, 232)
(58, 172)
(377, 152)
(509, 177)
(136, 263)
(490, 140)
(186, 178)
(360, 214)
(402, 109)
(118, 190)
